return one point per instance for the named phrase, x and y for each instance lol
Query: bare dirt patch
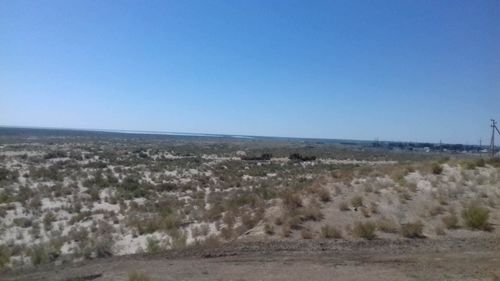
(455, 259)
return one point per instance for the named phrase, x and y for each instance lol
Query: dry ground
(405, 259)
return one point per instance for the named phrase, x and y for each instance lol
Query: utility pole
(493, 129)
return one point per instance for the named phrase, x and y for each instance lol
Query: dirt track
(457, 259)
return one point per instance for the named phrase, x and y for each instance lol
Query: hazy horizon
(421, 71)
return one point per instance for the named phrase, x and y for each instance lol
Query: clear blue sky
(396, 70)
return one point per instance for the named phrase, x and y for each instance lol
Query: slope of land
(83, 201)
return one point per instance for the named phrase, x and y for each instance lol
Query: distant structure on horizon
(492, 144)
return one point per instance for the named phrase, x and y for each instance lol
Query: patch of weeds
(4, 256)
(153, 245)
(450, 221)
(269, 229)
(330, 232)
(291, 200)
(357, 201)
(138, 276)
(286, 230)
(387, 225)
(476, 217)
(436, 169)
(412, 230)
(365, 230)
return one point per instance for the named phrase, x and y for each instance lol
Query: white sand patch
(48, 204)
(106, 207)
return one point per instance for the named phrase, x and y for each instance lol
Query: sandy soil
(452, 259)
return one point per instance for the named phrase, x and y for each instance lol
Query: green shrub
(153, 245)
(4, 256)
(103, 247)
(178, 239)
(42, 253)
(48, 220)
(365, 230)
(412, 230)
(476, 217)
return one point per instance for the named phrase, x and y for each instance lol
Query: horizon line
(171, 133)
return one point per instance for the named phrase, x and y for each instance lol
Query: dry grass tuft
(138, 276)
(330, 232)
(306, 233)
(269, 229)
(387, 225)
(413, 230)
(357, 201)
(365, 230)
(450, 221)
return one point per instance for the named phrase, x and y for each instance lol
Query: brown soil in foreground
(453, 259)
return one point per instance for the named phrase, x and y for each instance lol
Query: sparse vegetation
(357, 201)
(437, 169)
(387, 225)
(365, 230)
(306, 233)
(138, 276)
(330, 232)
(476, 217)
(413, 230)
(92, 195)
(450, 221)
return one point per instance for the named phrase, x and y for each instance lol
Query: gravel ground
(425, 259)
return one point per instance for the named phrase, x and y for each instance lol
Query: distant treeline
(298, 157)
(268, 156)
(430, 146)
(262, 157)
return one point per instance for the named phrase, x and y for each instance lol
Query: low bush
(269, 229)
(413, 230)
(476, 217)
(436, 169)
(365, 230)
(4, 256)
(153, 245)
(357, 201)
(324, 195)
(291, 200)
(103, 247)
(312, 212)
(450, 221)
(43, 253)
(330, 232)
(387, 226)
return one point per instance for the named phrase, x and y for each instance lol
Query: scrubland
(69, 199)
